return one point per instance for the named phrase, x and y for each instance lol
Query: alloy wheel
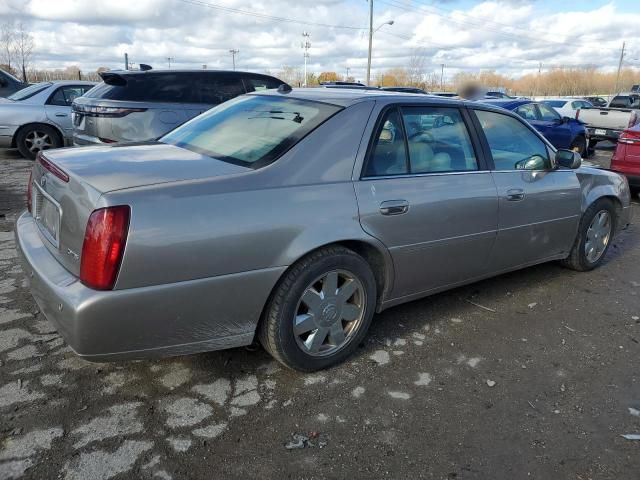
(329, 313)
(598, 236)
(37, 141)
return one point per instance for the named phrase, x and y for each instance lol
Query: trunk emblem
(72, 254)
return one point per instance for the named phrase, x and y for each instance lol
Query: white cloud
(511, 37)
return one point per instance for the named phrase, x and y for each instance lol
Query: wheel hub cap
(598, 236)
(329, 313)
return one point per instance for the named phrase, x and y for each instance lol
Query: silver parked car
(293, 216)
(38, 117)
(133, 106)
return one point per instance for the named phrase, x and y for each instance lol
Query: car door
(58, 106)
(426, 193)
(539, 204)
(552, 126)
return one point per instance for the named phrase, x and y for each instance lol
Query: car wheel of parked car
(320, 311)
(592, 144)
(33, 139)
(580, 145)
(595, 232)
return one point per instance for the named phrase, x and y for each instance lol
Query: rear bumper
(609, 134)
(174, 319)
(86, 140)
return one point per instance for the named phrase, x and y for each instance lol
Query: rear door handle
(515, 194)
(61, 114)
(394, 207)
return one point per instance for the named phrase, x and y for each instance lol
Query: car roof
(508, 103)
(70, 82)
(345, 97)
(173, 71)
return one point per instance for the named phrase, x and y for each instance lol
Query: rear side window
(251, 131)
(176, 87)
(255, 84)
(528, 112)
(64, 96)
(28, 92)
(438, 140)
(513, 146)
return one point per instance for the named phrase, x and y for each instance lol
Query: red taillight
(103, 247)
(57, 171)
(29, 191)
(633, 119)
(631, 137)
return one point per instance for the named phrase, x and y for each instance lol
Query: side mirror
(566, 119)
(568, 159)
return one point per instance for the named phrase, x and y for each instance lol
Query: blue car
(562, 132)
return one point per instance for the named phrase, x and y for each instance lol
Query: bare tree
(8, 44)
(416, 69)
(24, 48)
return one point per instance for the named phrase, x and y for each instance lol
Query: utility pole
(370, 42)
(348, 74)
(204, 66)
(233, 53)
(615, 92)
(442, 77)
(306, 45)
(169, 61)
(126, 61)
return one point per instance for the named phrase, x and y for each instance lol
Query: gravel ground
(541, 386)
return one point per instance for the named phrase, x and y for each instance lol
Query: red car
(626, 158)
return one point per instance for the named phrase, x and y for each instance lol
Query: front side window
(513, 146)
(548, 114)
(251, 131)
(528, 112)
(438, 140)
(389, 154)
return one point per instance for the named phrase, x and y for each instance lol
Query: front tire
(33, 139)
(595, 233)
(320, 310)
(580, 145)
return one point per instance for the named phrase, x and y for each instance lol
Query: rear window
(251, 131)
(29, 91)
(207, 88)
(555, 103)
(625, 101)
(256, 84)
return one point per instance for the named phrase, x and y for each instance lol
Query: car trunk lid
(67, 185)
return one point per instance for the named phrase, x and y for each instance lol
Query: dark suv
(9, 84)
(131, 106)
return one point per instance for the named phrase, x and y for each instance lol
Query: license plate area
(599, 131)
(47, 214)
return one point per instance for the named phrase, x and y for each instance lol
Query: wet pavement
(533, 374)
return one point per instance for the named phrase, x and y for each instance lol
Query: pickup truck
(607, 123)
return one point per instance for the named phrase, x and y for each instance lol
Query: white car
(567, 107)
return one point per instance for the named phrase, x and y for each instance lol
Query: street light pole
(442, 77)
(370, 42)
(306, 45)
(233, 53)
(169, 61)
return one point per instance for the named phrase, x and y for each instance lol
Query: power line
(267, 16)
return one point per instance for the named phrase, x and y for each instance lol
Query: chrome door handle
(394, 207)
(515, 195)
(61, 114)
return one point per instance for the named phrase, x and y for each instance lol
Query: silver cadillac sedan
(293, 216)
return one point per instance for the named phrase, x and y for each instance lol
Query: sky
(512, 37)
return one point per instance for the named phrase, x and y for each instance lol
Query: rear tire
(320, 310)
(595, 232)
(32, 139)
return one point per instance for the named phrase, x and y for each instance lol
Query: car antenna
(144, 67)
(284, 88)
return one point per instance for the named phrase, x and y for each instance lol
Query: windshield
(555, 103)
(28, 92)
(252, 130)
